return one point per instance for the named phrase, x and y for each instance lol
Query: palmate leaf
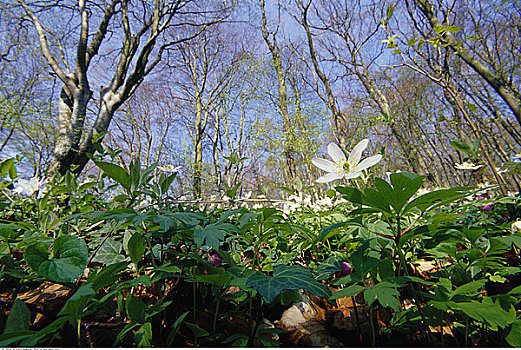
(427, 200)
(286, 277)
(489, 312)
(385, 293)
(212, 235)
(209, 236)
(404, 186)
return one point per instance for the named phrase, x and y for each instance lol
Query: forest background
(241, 95)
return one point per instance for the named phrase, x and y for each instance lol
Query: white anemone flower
(467, 166)
(169, 168)
(341, 167)
(26, 187)
(516, 227)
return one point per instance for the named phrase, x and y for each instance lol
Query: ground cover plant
(379, 264)
(164, 178)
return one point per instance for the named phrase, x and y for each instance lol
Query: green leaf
(109, 252)
(288, 297)
(390, 10)
(267, 212)
(362, 263)
(166, 181)
(229, 213)
(209, 235)
(325, 270)
(124, 331)
(515, 291)
(286, 277)
(401, 280)
(514, 336)
(384, 269)
(71, 182)
(352, 194)
(348, 292)
(116, 173)
(135, 309)
(240, 276)
(405, 186)
(196, 330)
(175, 329)
(427, 200)
(143, 336)
(75, 305)
(331, 229)
(237, 340)
(385, 293)
(374, 199)
(143, 279)
(7, 339)
(135, 172)
(468, 288)
(5, 166)
(136, 248)
(70, 255)
(164, 222)
(107, 275)
(217, 279)
(19, 318)
(85, 186)
(462, 146)
(386, 193)
(488, 312)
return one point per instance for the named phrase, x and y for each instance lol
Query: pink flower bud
(346, 269)
(215, 260)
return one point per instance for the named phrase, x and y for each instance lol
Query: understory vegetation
(164, 179)
(115, 261)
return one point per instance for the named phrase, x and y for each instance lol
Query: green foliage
(66, 263)
(19, 318)
(238, 263)
(286, 277)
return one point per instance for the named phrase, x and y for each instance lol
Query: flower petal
(336, 153)
(329, 177)
(356, 153)
(352, 175)
(324, 164)
(368, 162)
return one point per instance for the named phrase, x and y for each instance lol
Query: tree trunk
(289, 153)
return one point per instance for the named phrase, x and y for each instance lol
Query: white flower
(467, 166)
(28, 187)
(516, 227)
(169, 168)
(341, 167)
